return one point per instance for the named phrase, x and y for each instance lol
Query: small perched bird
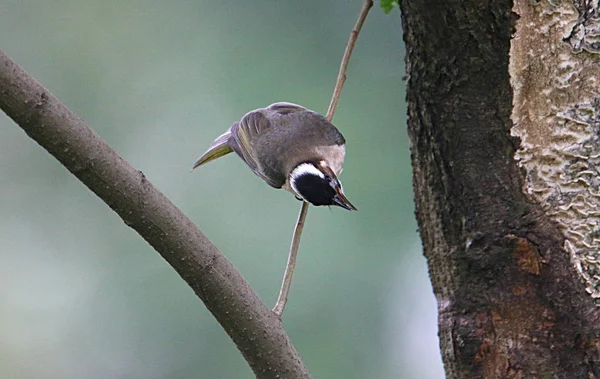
(289, 147)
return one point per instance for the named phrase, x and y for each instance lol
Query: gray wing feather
(217, 149)
(273, 140)
(245, 136)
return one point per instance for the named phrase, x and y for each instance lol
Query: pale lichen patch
(556, 115)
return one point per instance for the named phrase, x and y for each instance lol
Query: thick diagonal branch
(256, 331)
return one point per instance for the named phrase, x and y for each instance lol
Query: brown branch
(291, 263)
(252, 326)
(337, 91)
(341, 79)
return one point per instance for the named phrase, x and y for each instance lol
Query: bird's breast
(334, 156)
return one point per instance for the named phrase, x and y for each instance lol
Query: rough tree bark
(500, 214)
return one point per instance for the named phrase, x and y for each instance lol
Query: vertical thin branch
(291, 263)
(341, 78)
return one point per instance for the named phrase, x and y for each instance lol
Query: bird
(289, 147)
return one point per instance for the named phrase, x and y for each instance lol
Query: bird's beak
(341, 200)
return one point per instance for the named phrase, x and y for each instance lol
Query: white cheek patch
(304, 169)
(301, 170)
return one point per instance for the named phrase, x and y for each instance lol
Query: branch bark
(511, 304)
(253, 327)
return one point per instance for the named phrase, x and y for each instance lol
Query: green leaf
(388, 5)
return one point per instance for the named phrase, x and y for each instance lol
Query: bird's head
(317, 184)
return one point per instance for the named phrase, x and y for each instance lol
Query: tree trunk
(508, 198)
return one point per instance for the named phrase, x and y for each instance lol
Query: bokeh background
(83, 296)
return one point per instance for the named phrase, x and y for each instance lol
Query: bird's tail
(217, 149)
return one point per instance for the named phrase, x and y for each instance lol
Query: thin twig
(337, 91)
(341, 78)
(291, 263)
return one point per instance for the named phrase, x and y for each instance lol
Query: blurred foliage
(84, 297)
(388, 5)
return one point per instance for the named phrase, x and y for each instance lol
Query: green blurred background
(83, 296)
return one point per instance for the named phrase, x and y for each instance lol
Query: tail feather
(217, 149)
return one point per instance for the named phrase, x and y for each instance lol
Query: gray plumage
(276, 139)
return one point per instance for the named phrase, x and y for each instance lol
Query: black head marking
(315, 189)
(318, 185)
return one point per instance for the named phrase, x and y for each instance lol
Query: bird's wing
(245, 137)
(284, 108)
(217, 149)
